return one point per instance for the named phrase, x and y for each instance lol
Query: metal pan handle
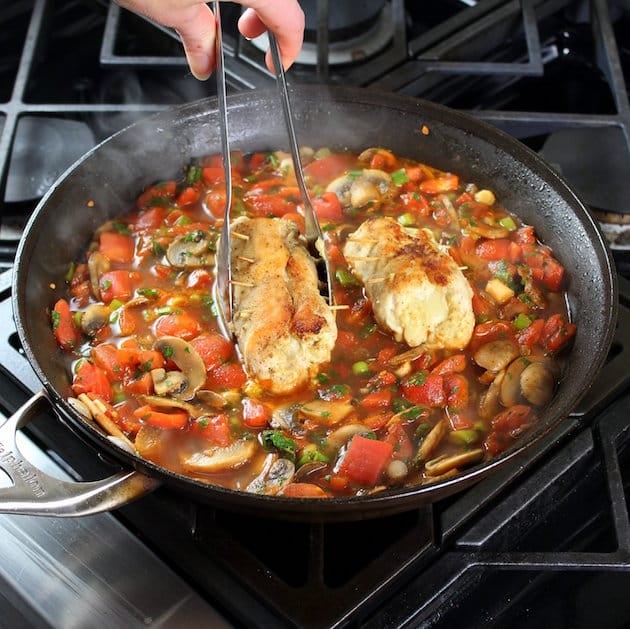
(36, 493)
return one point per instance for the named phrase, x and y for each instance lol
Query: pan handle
(36, 493)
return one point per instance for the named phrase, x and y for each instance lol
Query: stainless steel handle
(36, 493)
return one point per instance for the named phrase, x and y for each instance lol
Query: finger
(284, 18)
(196, 28)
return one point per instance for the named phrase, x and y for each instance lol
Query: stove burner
(349, 42)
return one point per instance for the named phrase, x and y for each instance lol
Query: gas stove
(546, 540)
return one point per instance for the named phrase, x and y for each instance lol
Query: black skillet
(106, 181)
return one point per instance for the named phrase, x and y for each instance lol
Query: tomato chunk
(64, 327)
(90, 379)
(365, 460)
(117, 247)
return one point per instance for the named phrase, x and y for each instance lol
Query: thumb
(198, 32)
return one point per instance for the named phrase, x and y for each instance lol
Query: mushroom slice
(328, 412)
(273, 479)
(431, 441)
(150, 440)
(212, 399)
(169, 382)
(220, 459)
(186, 357)
(537, 383)
(496, 355)
(97, 265)
(283, 417)
(191, 251)
(169, 402)
(444, 463)
(94, 318)
(369, 154)
(342, 435)
(489, 404)
(341, 187)
(511, 385)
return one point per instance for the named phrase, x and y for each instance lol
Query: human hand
(194, 22)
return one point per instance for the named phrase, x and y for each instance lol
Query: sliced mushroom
(304, 471)
(94, 318)
(444, 463)
(97, 265)
(191, 251)
(212, 399)
(489, 402)
(326, 411)
(368, 155)
(150, 440)
(397, 470)
(169, 402)
(537, 383)
(431, 441)
(186, 357)
(370, 186)
(220, 459)
(283, 417)
(511, 385)
(270, 482)
(496, 355)
(342, 435)
(169, 382)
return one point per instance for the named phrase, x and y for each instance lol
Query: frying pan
(106, 181)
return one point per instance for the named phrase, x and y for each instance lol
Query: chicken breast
(418, 292)
(284, 327)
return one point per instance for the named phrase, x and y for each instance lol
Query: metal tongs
(313, 232)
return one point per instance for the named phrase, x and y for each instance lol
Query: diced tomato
(182, 325)
(143, 385)
(127, 321)
(255, 414)
(424, 390)
(117, 247)
(228, 376)
(256, 161)
(445, 183)
(199, 278)
(491, 331)
(164, 190)
(324, 170)
(66, 332)
(149, 219)
(452, 364)
(482, 306)
(303, 490)
(116, 285)
(525, 235)
(416, 202)
(213, 175)
(215, 202)
(553, 273)
(457, 398)
(499, 249)
(556, 333)
(377, 399)
(106, 357)
(365, 460)
(215, 428)
(328, 208)
(511, 419)
(375, 421)
(414, 173)
(530, 335)
(496, 442)
(214, 349)
(160, 419)
(268, 205)
(91, 379)
(188, 196)
(347, 341)
(123, 416)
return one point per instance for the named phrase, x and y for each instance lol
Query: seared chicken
(418, 292)
(284, 327)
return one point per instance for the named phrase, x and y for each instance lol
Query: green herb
(70, 272)
(195, 236)
(464, 437)
(367, 330)
(413, 413)
(106, 285)
(522, 321)
(310, 454)
(400, 404)
(345, 278)
(164, 310)
(167, 351)
(55, 318)
(151, 293)
(122, 228)
(508, 223)
(158, 249)
(193, 175)
(183, 220)
(119, 397)
(115, 304)
(334, 392)
(321, 153)
(77, 318)
(353, 174)
(418, 378)
(322, 378)
(277, 439)
(273, 160)
(399, 177)
(113, 316)
(203, 422)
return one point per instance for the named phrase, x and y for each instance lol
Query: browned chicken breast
(418, 292)
(284, 327)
